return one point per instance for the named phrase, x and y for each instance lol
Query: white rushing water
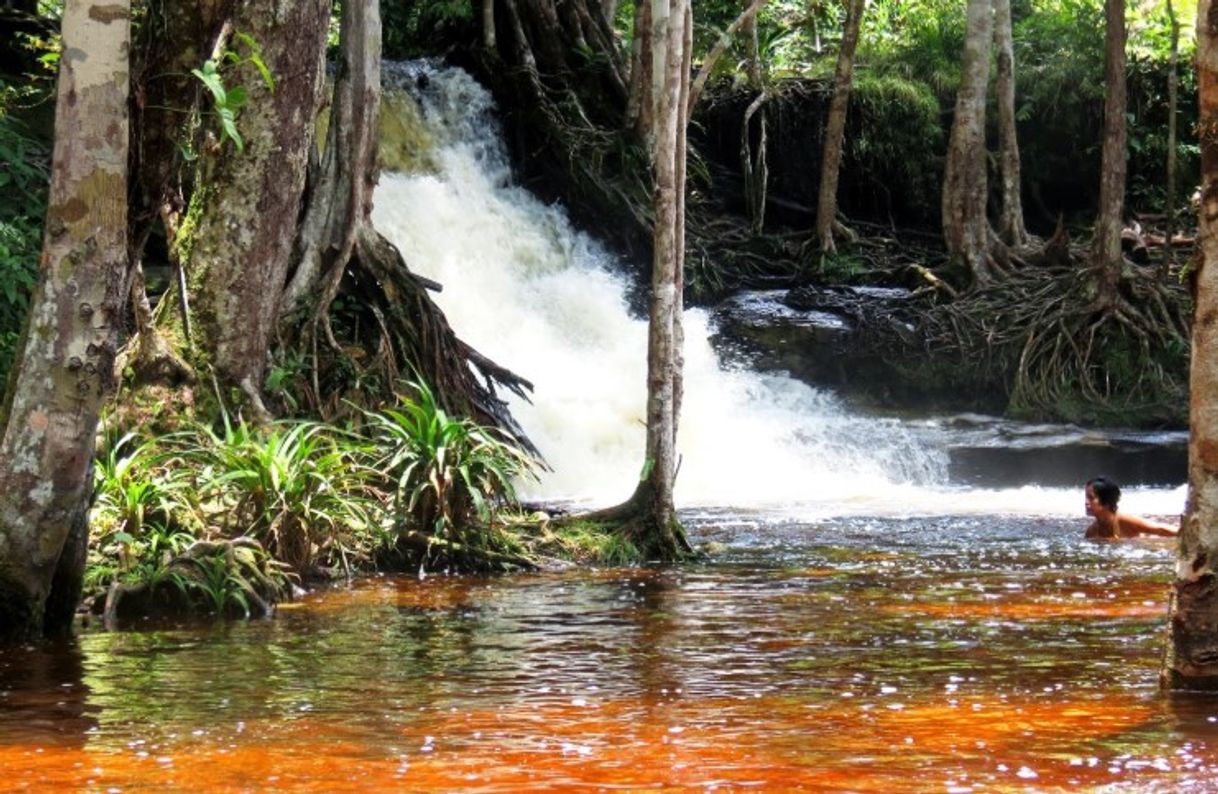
(537, 296)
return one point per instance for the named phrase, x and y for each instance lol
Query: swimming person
(1102, 496)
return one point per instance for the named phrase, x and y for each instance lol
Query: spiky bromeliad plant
(296, 488)
(447, 474)
(141, 518)
(149, 533)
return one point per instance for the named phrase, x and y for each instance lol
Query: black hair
(1106, 491)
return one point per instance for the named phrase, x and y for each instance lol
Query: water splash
(526, 288)
(536, 295)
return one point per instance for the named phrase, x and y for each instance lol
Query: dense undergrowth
(231, 519)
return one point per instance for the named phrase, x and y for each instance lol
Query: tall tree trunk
(669, 18)
(1011, 227)
(835, 127)
(1173, 100)
(752, 38)
(66, 369)
(247, 203)
(754, 165)
(1192, 658)
(966, 230)
(488, 24)
(1106, 257)
(650, 512)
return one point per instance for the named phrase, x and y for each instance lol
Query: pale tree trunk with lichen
(835, 127)
(966, 228)
(1011, 228)
(1192, 658)
(1107, 259)
(671, 22)
(66, 366)
(244, 213)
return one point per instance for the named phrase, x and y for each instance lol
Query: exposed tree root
(1062, 349)
(262, 591)
(633, 518)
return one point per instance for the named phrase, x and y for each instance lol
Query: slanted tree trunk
(1106, 257)
(716, 52)
(835, 127)
(966, 230)
(246, 204)
(66, 367)
(1011, 228)
(1192, 658)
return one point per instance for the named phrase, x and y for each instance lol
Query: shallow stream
(859, 654)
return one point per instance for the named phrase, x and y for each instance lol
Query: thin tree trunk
(752, 37)
(1173, 101)
(835, 127)
(966, 229)
(248, 202)
(488, 25)
(1192, 658)
(1106, 256)
(66, 369)
(639, 102)
(1011, 228)
(650, 510)
(668, 20)
(754, 166)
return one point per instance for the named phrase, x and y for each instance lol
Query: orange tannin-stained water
(1004, 658)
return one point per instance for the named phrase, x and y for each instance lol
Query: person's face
(1092, 501)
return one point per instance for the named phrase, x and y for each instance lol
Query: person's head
(1103, 492)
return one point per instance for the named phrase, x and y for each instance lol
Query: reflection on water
(944, 654)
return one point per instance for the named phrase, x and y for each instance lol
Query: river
(870, 618)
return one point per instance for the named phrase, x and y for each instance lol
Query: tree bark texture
(669, 19)
(1192, 659)
(247, 204)
(1106, 256)
(835, 127)
(1011, 228)
(340, 195)
(965, 226)
(66, 368)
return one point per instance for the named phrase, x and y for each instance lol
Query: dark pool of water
(921, 654)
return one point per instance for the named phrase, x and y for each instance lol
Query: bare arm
(1136, 525)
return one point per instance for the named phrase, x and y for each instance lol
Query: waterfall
(527, 289)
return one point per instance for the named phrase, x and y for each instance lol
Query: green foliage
(296, 488)
(894, 148)
(228, 102)
(597, 544)
(233, 578)
(443, 471)
(416, 29)
(918, 40)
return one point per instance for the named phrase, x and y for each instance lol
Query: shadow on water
(862, 654)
